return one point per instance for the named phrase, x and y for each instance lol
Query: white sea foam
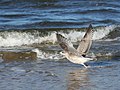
(27, 38)
(98, 33)
(44, 55)
(102, 32)
(40, 54)
(23, 38)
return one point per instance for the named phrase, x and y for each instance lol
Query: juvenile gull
(78, 55)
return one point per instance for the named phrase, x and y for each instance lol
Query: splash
(47, 55)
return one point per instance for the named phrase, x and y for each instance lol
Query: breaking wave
(29, 37)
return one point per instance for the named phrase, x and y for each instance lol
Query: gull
(77, 56)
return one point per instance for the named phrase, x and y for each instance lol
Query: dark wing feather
(66, 45)
(86, 42)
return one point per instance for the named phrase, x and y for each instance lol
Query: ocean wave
(28, 37)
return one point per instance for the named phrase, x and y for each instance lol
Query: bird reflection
(77, 79)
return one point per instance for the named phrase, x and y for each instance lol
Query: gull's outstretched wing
(66, 45)
(86, 42)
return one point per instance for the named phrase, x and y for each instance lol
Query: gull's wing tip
(90, 26)
(89, 29)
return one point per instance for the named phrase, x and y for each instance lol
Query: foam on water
(102, 32)
(98, 33)
(23, 38)
(44, 55)
(15, 38)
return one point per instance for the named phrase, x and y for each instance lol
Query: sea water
(31, 25)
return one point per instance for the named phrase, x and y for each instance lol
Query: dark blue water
(37, 14)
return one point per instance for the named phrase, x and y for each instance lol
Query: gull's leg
(85, 65)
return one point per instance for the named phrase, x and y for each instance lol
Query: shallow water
(57, 75)
(51, 71)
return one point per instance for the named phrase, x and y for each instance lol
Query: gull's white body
(76, 59)
(73, 55)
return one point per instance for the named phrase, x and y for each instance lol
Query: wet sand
(17, 54)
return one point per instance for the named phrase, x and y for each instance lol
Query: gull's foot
(86, 65)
